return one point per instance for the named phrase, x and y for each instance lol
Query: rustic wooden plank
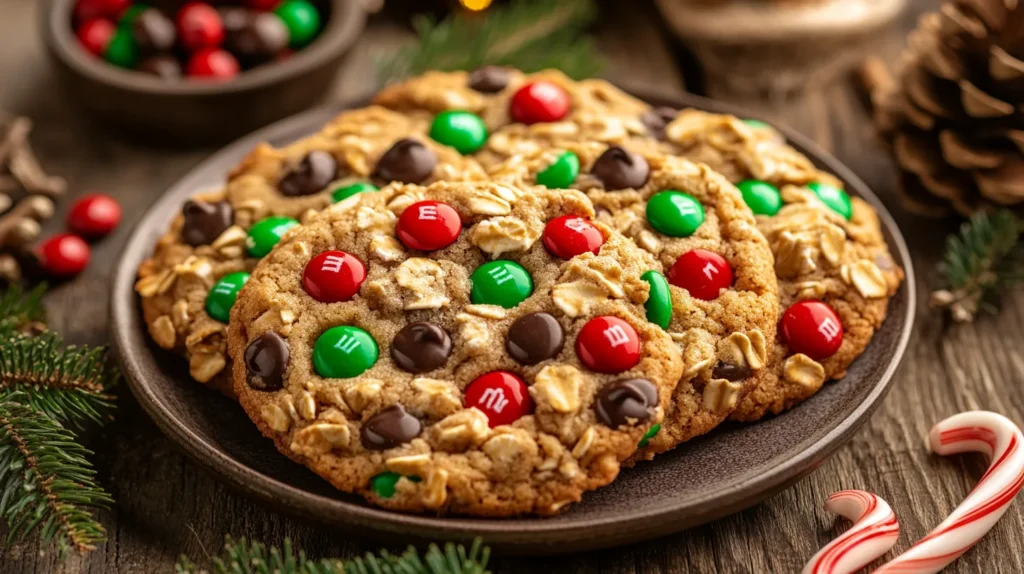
(167, 505)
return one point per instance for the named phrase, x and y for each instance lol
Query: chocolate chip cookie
(471, 348)
(189, 284)
(718, 297)
(835, 272)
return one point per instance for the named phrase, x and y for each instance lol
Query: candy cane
(874, 532)
(978, 431)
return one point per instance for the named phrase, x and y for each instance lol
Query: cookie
(523, 113)
(835, 272)
(469, 348)
(188, 285)
(720, 281)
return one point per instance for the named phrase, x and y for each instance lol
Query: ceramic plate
(690, 486)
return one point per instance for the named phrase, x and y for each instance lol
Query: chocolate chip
(204, 222)
(389, 428)
(266, 359)
(656, 119)
(166, 67)
(421, 347)
(489, 79)
(153, 32)
(626, 402)
(533, 338)
(408, 161)
(731, 372)
(259, 39)
(620, 169)
(313, 173)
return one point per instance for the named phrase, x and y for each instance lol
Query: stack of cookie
(489, 291)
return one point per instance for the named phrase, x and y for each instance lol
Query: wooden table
(167, 506)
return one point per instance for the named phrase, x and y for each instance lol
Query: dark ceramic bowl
(734, 467)
(188, 112)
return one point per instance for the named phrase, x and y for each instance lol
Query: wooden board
(167, 506)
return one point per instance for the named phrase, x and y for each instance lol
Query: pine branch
(530, 35)
(244, 557)
(69, 384)
(982, 260)
(46, 484)
(20, 311)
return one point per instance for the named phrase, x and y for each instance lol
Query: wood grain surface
(167, 506)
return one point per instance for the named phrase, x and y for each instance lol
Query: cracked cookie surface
(471, 348)
(718, 266)
(219, 236)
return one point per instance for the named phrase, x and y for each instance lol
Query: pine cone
(955, 114)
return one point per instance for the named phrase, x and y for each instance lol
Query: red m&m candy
(608, 345)
(95, 35)
(812, 328)
(94, 215)
(63, 255)
(502, 396)
(539, 102)
(199, 26)
(428, 226)
(110, 9)
(213, 64)
(703, 273)
(570, 235)
(333, 276)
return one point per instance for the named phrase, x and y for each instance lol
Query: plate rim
(503, 534)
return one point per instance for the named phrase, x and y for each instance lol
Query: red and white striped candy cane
(975, 431)
(874, 532)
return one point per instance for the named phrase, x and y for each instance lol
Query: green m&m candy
(649, 435)
(756, 124)
(343, 352)
(384, 483)
(266, 233)
(463, 131)
(674, 213)
(836, 199)
(500, 282)
(761, 197)
(222, 295)
(347, 191)
(301, 19)
(659, 301)
(561, 173)
(122, 50)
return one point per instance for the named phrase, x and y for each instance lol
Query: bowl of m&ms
(193, 71)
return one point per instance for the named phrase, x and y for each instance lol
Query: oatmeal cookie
(470, 348)
(724, 301)
(189, 284)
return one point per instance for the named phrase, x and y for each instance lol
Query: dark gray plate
(733, 468)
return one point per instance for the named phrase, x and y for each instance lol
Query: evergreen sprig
(67, 383)
(981, 261)
(20, 311)
(244, 557)
(46, 483)
(531, 35)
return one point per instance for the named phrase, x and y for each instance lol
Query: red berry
(95, 35)
(89, 9)
(539, 102)
(608, 345)
(63, 255)
(502, 396)
(199, 26)
(428, 226)
(567, 236)
(213, 64)
(812, 328)
(262, 5)
(333, 276)
(94, 215)
(703, 273)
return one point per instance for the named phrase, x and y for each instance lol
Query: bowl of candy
(190, 72)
